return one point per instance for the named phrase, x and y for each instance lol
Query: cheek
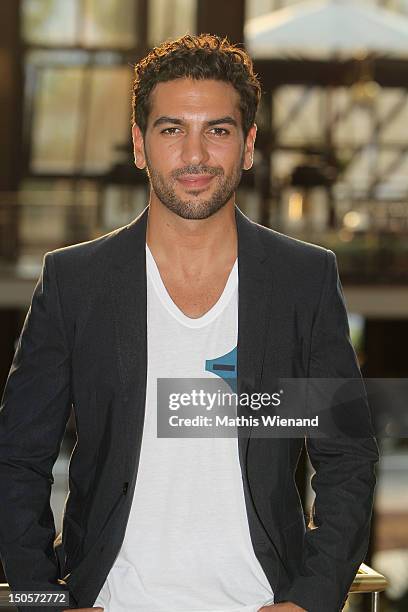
(226, 155)
(169, 157)
(162, 159)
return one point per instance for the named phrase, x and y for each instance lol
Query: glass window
(108, 118)
(56, 119)
(109, 23)
(49, 21)
(353, 122)
(77, 109)
(170, 19)
(392, 110)
(80, 114)
(92, 23)
(297, 112)
(55, 213)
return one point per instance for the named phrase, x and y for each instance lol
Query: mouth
(194, 181)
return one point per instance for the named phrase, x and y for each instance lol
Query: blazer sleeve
(34, 410)
(344, 478)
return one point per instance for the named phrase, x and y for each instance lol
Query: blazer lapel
(254, 296)
(129, 291)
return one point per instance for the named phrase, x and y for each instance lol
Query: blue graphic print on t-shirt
(225, 367)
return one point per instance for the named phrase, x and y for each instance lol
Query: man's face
(194, 149)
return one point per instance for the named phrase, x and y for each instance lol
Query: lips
(195, 180)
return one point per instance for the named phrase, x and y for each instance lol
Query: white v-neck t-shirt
(187, 545)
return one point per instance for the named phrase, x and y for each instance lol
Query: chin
(194, 214)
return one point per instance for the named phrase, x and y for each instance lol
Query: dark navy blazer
(84, 345)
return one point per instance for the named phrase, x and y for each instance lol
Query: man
(156, 524)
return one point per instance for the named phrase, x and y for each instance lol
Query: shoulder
(293, 253)
(82, 270)
(82, 273)
(83, 253)
(302, 271)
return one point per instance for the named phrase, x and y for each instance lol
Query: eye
(219, 130)
(169, 130)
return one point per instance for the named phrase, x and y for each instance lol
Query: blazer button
(125, 487)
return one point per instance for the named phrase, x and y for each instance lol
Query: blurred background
(330, 167)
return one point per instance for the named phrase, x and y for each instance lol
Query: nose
(194, 150)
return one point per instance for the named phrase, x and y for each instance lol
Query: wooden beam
(276, 72)
(11, 94)
(11, 105)
(221, 18)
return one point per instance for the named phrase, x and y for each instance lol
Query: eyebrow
(176, 121)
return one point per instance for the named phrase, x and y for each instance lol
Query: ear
(138, 147)
(249, 147)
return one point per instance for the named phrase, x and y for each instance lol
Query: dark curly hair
(205, 56)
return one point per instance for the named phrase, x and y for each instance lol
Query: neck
(192, 245)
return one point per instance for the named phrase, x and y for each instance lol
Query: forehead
(191, 97)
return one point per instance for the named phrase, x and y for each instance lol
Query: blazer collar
(133, 238)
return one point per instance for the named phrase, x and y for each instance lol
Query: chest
(194, 297)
